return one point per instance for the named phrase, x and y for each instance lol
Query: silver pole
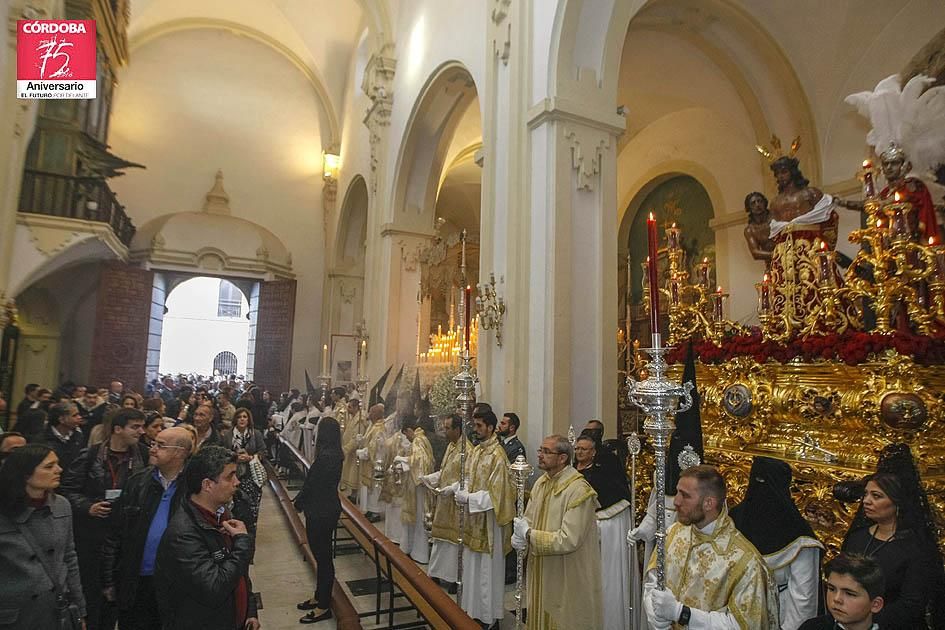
(633, 445)
(660, 399)
(520, 470)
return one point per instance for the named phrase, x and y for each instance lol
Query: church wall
(177, 113)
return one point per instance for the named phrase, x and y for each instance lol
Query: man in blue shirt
(142, 512)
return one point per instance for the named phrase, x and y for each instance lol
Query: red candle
(651, 274)
(718, 305)
(704, 273)
(765, 295)
(869, 188)
(824, 264)
(468, 300)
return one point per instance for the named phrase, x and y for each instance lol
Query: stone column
(572, 308)
(379, 253)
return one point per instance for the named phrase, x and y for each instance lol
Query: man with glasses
(559, 530)
(142, 512)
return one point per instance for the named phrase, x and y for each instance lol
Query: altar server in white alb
(613, 521)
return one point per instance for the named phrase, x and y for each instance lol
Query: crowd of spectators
(135, 509)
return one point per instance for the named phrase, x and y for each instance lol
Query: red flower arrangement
(849, 347)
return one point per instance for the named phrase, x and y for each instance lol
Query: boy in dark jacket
(855, 587)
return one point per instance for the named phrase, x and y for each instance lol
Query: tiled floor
(283, 578)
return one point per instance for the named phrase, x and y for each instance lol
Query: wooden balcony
(86, 198)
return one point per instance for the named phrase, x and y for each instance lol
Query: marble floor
(283, 578)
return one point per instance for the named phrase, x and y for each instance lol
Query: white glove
(519, 543)
(404, 466)
(520, 527)
(644, 532)
(450, 489)
(462, 497)
(665, 606)
(656, 623)
(362, 454)
(400, 459)
(427, 480)
(635, 535)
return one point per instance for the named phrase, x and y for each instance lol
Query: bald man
(152, 495)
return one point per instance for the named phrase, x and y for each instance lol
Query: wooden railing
(87, 198)
(431, 601)
(343, 610)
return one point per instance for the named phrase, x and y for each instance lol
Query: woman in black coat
(893, 527)
(319, 500)
(35, 522)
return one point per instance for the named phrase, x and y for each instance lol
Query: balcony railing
(87, 198)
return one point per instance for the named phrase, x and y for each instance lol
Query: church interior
(367, 186)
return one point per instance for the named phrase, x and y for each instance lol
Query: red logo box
(55, 59)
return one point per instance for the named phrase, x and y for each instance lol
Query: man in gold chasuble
(715, 578)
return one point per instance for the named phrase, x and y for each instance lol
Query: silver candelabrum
(660, 399)
(490, 307)
(520, 471)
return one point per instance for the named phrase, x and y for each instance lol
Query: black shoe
(373, 517)
(308, 604)
(311, 618)
(451, 589)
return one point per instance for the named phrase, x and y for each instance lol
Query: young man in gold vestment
(490, 497)
(715, 578)
(415, 542)
(560, 531)
(445, 533)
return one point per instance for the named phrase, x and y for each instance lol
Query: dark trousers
(143, 614)
(318, 530)
(89, 536)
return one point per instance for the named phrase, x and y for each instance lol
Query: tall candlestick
(627, 298)
(361, 358)
(468, 321)
(325, 360)
(718, 304)
(652, 275)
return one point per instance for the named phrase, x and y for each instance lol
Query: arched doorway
(206, 328)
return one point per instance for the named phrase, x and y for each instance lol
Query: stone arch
(447, 93)
(586, 66)
(307, 68)
(351, 234)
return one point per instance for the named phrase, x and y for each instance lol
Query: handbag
(67, 612)
(257, 471)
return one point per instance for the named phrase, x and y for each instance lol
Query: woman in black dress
(894, 527)
(319, 500)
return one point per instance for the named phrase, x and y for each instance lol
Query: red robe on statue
(922, 219)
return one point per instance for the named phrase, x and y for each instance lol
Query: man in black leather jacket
(202, 574)
(141, 515)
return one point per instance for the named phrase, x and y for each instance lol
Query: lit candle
(869, 189)
(825, 275)
(765, 289)
(468, 321)
(672, 237)
(704, 273)
(654, 281)
(325, 360)
(362, 357)
(674, 292)
(718, 304)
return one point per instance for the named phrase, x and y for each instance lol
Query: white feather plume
(912, 117)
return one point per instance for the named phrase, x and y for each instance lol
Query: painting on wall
(681, 200)
(344, 357)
